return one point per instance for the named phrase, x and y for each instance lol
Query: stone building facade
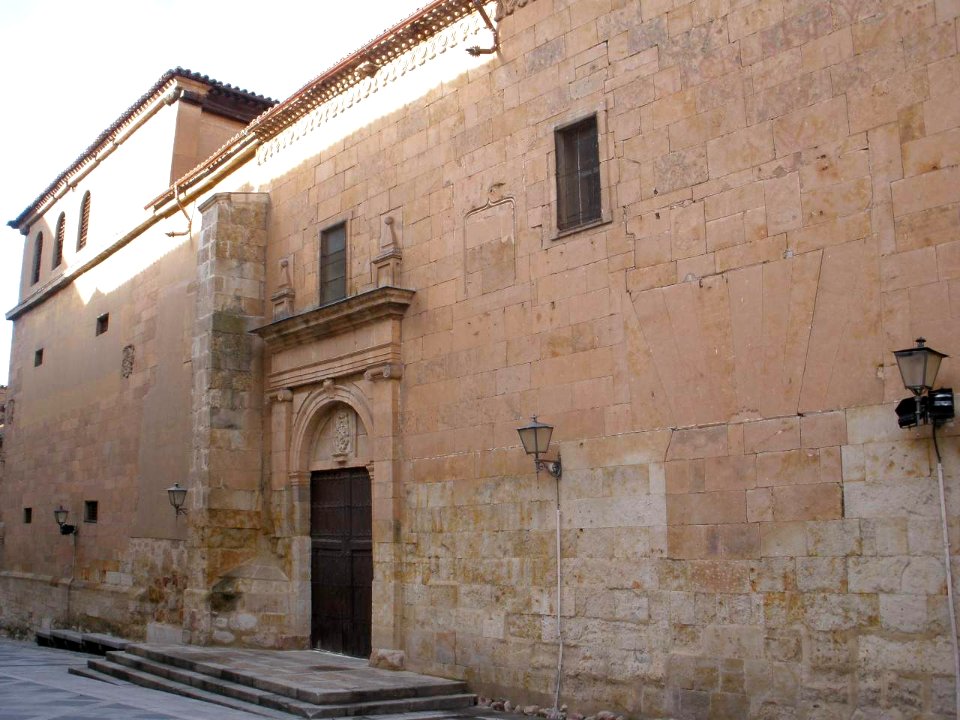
(391, 270)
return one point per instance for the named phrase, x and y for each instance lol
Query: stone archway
(343, 355)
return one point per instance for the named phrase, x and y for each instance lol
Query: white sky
(68, 69)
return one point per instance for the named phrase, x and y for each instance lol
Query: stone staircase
(279, 684)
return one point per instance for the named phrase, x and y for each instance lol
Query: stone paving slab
(35, 685)
(309, 675)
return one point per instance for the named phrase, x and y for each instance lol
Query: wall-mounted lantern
(60, 515)
(536, 440)
(177, 495)
(918, 369)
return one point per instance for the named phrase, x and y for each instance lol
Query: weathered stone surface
(745, 530)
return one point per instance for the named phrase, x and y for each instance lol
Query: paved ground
(35, 685)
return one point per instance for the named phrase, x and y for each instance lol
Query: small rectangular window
(333, 264)
(90, 511)
(578, 174)
(27, 515)
(38, 358)
(103, 323)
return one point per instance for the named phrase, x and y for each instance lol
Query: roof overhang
(212, 95)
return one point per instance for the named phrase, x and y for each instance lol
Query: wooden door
(341, 561)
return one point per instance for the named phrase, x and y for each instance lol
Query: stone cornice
(339, 317)
(439, 26)
(285, 130)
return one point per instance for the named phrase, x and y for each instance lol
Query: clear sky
(69, 69)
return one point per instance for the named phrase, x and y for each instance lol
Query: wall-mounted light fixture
(535, 438)
(60, 515)
(918, 369)
(177, 495)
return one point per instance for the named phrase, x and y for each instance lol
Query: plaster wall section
(99, 420)
(199, 134)
(119, 185)
(103, 409)
(746, 531)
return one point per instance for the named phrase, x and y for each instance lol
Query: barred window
(58, 242)
(578, 174)
(333, 264)
(84, 221)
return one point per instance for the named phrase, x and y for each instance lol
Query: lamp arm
(553, 467)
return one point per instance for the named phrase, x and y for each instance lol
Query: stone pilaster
(225, 475)
(384, 393)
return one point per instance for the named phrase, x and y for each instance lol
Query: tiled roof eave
(419, 27)
(159, 89)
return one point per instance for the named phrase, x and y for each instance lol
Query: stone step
(422, 688)
(386, 707)
(154, 682)
(91, 674)
(143, 670)
(101, 644)
(66, 639)
(182, 676)
(93, 643)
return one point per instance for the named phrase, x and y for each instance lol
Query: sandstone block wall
(746, 531)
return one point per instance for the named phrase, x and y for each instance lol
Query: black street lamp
(535, 438)
(918, 370)
(177, 495)
(60, 515)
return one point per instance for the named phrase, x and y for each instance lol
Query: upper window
(103, 323)
(84, 221)
(578, 174)
(37, 255)
(91, 511)
(333, 264)
(58, 242)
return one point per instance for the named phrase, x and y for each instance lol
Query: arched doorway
(341, 561)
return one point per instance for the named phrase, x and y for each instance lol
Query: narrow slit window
(37, 257)
(27, 515)
(84, 221)
(333, 264)
(578, 174)
(58, 242)
(91, 510)
(38, 358)
(103, 323)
